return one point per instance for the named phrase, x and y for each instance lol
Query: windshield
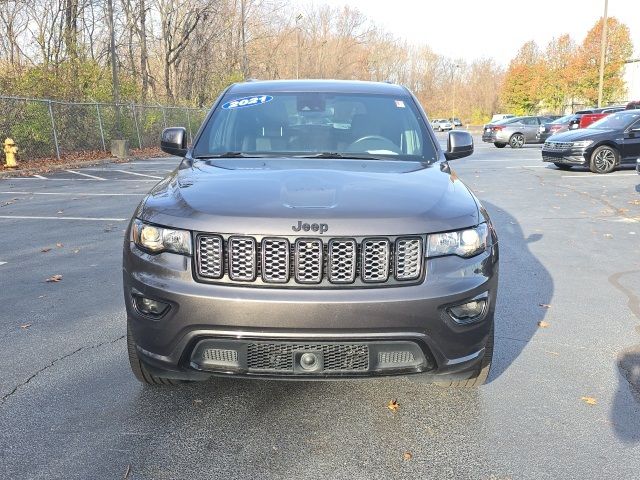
(506, 121)
(565, 119)
(616, 121)
(311, 123)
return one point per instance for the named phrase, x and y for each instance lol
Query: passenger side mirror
(459, 145)
(174, 141)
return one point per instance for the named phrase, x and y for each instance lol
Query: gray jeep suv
(313, 230)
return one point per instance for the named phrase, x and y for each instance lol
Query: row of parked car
(443, 124)
(600, 139)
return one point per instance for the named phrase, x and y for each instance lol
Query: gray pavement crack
(53, 362)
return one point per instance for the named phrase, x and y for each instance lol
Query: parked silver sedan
(514, 131)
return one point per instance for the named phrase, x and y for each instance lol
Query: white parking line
(40, 176)
(28, 217)
(530, 166)
(586, 175)
(72, 194)
(139, 174)
(85, 175)
(10, 179)
(3, 263)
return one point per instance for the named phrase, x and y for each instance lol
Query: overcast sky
(471, 29)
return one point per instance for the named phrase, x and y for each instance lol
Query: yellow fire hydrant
(10, 151)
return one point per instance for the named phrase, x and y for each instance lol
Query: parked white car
(441, 124)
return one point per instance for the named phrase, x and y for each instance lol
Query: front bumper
(573, 156)
(376, 317)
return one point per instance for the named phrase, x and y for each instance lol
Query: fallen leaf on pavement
(608, 235)
(59, 245)
(543, 324)
(197, 401)
(25, 326)
(551, 353)
(393, 405)
(60, 212)
(76, 250)
(589, 400)
(407, 456)
(544, 305)
(45, 250)
(54, 278)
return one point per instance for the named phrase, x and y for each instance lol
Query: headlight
(159, 239)
(582, 143)
(464, 243)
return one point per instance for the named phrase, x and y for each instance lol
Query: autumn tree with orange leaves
(566, 73)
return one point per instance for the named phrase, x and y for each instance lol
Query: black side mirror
(459, 145)
(174, 141)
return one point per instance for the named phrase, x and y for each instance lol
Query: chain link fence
(49, 128)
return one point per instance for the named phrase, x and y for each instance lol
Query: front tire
(604, 159)
(516, 140)
(562, 166)
(137, 367)
(499, 144)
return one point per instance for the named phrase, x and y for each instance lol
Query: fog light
(468, 312)
(150, 307)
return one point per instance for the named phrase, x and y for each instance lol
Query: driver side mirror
(459, 145)
(174, 141)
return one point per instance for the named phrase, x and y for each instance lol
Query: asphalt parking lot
(562, 399)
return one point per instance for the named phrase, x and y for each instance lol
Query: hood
(271, 196)
(579, 134)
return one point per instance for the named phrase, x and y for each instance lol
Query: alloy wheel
(605, 160)
(517, 141)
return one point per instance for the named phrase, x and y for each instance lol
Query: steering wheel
(375, 142)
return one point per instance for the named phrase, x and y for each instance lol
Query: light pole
(603, 49)
(298, 18)
(245, 60)
(454, 81)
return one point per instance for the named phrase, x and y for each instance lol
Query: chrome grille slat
(210, 260)
(408, 258)
(342, 260)
(275, 260)
(242, 258)
(309, 262)
(375, 260)
(309, 259)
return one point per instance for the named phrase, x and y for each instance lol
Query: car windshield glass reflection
(616, 121)
(297, 123)
(564, 119)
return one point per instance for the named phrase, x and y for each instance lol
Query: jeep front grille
(278, 357)
(309, 262)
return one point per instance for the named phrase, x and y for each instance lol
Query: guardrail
(47, 128)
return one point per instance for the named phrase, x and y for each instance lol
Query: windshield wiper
(340, 155)
(227, 155)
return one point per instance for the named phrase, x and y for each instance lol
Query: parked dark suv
(313, 230)
(602, 147)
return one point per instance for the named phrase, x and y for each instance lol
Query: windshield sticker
(247, 102)
(399, 104)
